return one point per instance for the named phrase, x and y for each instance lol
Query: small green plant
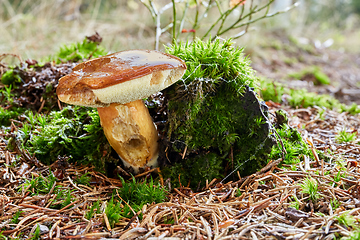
(346, 219)
(354, 235)
(7, 114)
(352, 109)
(95, 208)
(42, 120)
(168, 220)
(139, 193)
(293, 144)
(40, 185)
(10, 77)
(295, 203)
(25, 132)
(238, 193)
(337, 177)
(63, 198)
(314, 74)
(341, 169)
(15, 218)
(84, 179)
(6, 95)
(274, 91)
(36, 235)
(321, 113)
(113, 211)
(306, 99)
(345, 137)
(293, 167)
(32, 118)
(271, 90)
(2, 237)
(341, 164)
(334, 203)
(309, 186)
(76, 52)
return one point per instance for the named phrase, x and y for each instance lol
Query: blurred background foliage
(35, 28)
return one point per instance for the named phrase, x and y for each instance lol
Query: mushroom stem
(131, 132)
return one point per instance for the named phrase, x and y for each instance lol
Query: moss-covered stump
(216, 124)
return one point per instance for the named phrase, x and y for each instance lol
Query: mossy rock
(216, 124)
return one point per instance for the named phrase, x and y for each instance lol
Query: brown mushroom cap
(121, 77)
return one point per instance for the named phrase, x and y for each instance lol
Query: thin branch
(267, 16)
(252, 11)
(182, 21)
(196, 18)
(149, 8)
(174, 21)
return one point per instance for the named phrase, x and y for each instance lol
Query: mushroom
(116, 85)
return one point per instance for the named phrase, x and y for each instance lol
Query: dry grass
(34, 30)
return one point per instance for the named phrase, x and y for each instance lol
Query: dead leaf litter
(269, 204)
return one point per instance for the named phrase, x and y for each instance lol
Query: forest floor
(284, 56)
(313, 199)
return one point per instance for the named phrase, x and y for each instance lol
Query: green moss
(309, 187)
(40, 185)
(76, 52)
(355, 234)
(276, 44)
(214, 114)
(16, 216)
(352, 109)
(214, 62)
(291, 61)
(136, 194)
(94, 209)
(274, 91)
(345, 137)
(293, 144)
(113, 211)
(6, 95)
(314, 74)
(9, 77)
(73, 131)
(306, 99)
(271, 90)
(195, 170)
(6, 115)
